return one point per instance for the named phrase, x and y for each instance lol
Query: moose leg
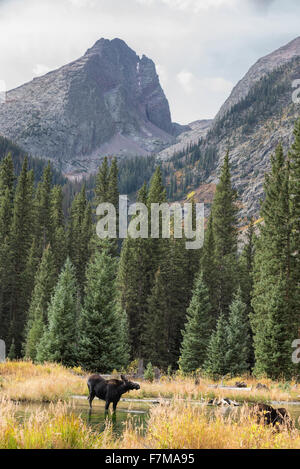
(91, 398)
(107, 405)
(115, 403)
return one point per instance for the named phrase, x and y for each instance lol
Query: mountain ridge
(109, 101)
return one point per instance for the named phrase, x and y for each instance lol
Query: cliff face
(258, 115)
(107, 102)
(261, 68)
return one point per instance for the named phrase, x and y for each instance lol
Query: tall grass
(185, 387)
(25, 381)
(183, 426)
(176, 425)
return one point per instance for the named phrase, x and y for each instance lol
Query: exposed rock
(240, 384)
(190, 135)
(261, 68)
(107, 102)
(157, 373)
(260, 387)
(223, 402)
(259, 114)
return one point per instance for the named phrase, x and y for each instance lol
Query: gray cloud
(261, 4)
(201, 47)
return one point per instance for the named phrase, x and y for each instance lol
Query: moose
(109, 390)
(269, 416)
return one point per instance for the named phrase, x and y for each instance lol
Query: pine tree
(246, 263)
(20, 241)
(102, 183)
(103, 338)
(209, 267)
(274, 320)
(238, 338)
(215, 363)
(58, 235)
(37, 315)
(7, 179)
(134, 281)
(7, 176)
(156, 346)
(295, 212)
(6, 273)
(224, 223)
(60, 337)
(113, 198)
(79, 236)
(42, 201)
(198, 329)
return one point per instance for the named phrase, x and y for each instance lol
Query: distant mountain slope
(262, 67)
(193, 134)
(257, 116)
(107, 102)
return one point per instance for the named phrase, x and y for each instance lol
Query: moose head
(129, 384)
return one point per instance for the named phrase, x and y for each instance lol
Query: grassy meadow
(174, 423)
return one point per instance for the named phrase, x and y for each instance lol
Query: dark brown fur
(109, 390)
(267, 415)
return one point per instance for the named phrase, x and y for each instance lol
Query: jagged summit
(109, 101)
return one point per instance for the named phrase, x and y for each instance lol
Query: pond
(137, 413)
(134, 412)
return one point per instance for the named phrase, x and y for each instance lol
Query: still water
(136, 413)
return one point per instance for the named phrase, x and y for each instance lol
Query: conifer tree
(43, 220)
(224, 223)
(215, 363)
(274, 320)
(246, 263)
(6, 273)
(209, 267)
(134, 281)
(20, 241)
(60, 337)
(156, 337)
(7, 177)
(238, 338)
(103, 341)
(79, 236)
(295, 212)
(198, 329)
(102, 183)
(58, 235)
(37, 316)
(113, 198)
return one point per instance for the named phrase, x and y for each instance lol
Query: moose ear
(123, 378)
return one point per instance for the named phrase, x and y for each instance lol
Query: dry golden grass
(25, 381)
(185, 387)
(171, 426)
(182, 426)
(54, 428)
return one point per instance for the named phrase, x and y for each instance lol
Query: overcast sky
(201, 47)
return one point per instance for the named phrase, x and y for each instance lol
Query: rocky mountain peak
(108, 102)
(261, 68)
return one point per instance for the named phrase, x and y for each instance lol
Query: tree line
(67, 296)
